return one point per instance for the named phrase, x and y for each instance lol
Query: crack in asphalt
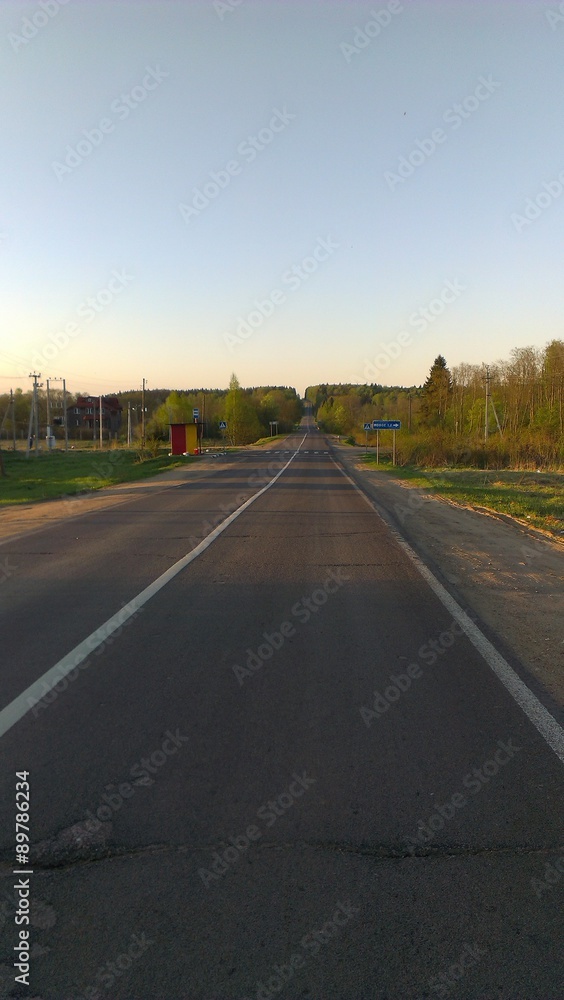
(380, 852)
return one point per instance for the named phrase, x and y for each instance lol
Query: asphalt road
(289, 774)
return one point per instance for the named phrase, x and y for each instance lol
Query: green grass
(48, 476)
(269, 440)
(535, 497)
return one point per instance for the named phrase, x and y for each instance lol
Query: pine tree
(436, 394)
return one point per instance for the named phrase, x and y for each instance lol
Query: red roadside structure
(183, 439)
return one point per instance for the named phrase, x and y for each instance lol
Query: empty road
(282, 769)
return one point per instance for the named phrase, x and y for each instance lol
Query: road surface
(287, 773)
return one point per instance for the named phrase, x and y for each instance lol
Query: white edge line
(17, 708)
(542, 720)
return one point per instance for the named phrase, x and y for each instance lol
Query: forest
(505, 415)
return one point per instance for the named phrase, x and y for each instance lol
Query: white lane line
(542, 720)
(13, 712)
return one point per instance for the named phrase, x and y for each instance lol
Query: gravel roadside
(511, 576)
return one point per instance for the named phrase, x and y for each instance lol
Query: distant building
(85, 414)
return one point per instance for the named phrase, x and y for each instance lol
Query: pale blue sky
(219, 76)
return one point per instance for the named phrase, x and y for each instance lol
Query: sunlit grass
(57, 474)
(535, 497)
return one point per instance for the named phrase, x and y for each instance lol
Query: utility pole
(65, 416)
(487, 398)
(143, 417)
(29, 428)
(101, 426)
(496, 416)
(13, 402)
(36, 410)
(49, 436)
(65, 413)
(203, 419)
(129, 424)
(33, 415)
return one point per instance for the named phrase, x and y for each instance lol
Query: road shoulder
(511, 576)
(21, 519)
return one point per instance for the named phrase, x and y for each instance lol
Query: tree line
(510, 413)
(248, 412)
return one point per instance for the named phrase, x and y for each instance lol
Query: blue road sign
(222, 425)
(368, 427)
(386, 425)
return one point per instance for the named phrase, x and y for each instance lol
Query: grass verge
(269, 440)
(534, 497)
(49, 476)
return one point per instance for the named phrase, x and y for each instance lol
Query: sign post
(223, 428)
(386, 425)
(196, 416)
(367, 427)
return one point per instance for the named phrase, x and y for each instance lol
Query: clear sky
(390, 147)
